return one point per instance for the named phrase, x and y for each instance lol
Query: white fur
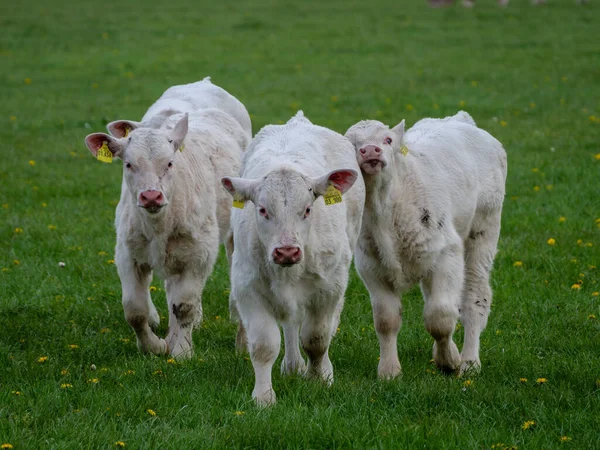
(432, 216)
(180, 242)
(280, 168)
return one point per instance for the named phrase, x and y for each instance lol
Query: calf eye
(128, 165)
(388, 140)
(263, 212)
(170, 164)
(307, 212)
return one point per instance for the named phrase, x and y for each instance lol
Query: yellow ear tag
(181, 147)
(104, 154)
(237, 203)
(404, 150)
(332, 195)
(127, 130)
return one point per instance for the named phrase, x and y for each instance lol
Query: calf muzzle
(152, 201)
(287, 256)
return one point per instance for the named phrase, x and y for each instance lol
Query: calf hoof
(264, 399)
(322, 372)
(388, 370)
(446, 357)
(157, 346)
(182, 349)
(469, 366)
(293, 367)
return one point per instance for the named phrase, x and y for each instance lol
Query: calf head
(283, 202)
(375, 144)
(150, 158)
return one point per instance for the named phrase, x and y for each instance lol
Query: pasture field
(529, 75)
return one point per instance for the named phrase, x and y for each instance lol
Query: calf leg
(241, 342)
(316, 336)
(480, 249)
(442, 290)
(184, 296)
(139, 310)
(292, 361)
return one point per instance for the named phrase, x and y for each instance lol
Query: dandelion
(591, 267)
(102, 253)
(589, 244)
(151, 412)
(105, 330)
(461, 103)
(6, 446)
(152, 288)
(334, 98)
(597, 156)
(27, 80)
(576, 286)
(17, 393)
(42, 359)
(16, 262)
(579, 242)
(468, 383)
(549, 187)
(110, 261)
(66, 386)
(171, 361)
(551, 241)
(592, 317)
(52, 227)
(564, 439)
(18, 230)
(239, 413)
(523, 380)
(5, 205)
(536, 188)
(158, 372)
(535, 170)
(5, 269)
(409, 107)
(31, 162)
(94, 85)
(562, 219)
(541, 380)
(436, 106)
(64, 372)
(129, 372)
(518, 263)
(595, 294)
(528, 424)
(119, 444)
(503, 123)
(44, 204)
(73, 346)
(217, 317)
(93, 380)
(473, 83)
(532, 105)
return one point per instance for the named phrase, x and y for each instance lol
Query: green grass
(530, 76)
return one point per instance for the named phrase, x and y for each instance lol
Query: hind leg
(241, 340)
(480, 249)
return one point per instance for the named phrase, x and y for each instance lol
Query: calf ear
(241, 189)
(180, 131)
(122, 128)
(95, 141)
(342, 180)
(399, 130)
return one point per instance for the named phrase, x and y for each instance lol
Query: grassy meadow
(70, 373)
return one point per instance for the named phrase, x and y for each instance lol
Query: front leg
(184, 296)
(139, 310)
(292, 361)
(442, 293)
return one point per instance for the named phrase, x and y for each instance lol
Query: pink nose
(151, 199)
(287, 255)
(370, 151)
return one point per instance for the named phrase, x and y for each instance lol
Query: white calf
(171, 216)
(432, 215)
(292, 250)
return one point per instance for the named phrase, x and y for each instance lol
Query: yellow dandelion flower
(66, 386)
(518, 263)
(334, 98)
(535, 170)
(576, 286)
(523, 380)
(44, 204)
(473, 83)
(17, 393)
(239, 413)
(31, 162)
(592, 317)
(73, 346)
(591, 267)
(532, 105)
(42, 359)
(528, 424)
(151, 412)
(549, 187)
(468, 383)
(551, 241)
(536, 188)
(105, 330)
(171, 361)
(5, 205)
(13, 118)
(64, 372)
(18, 230)
(52, 227)
(158, 372)
(461, 103)
(564, 439)
(102, 253)
(503, 123)
(562, 219)
(129, 372)
(597, 156)
(573, 260)
(579, 242)
(93, 380)
(110, 261)
(119, 444)
(541, 380)
(436, 106)
(152, 288)
(27, 80)
(217, 317)
(16, 262)
(498, 332)
(409, 107)
(124, 340)
(589, 244)
(595, 294)
(6, 446)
